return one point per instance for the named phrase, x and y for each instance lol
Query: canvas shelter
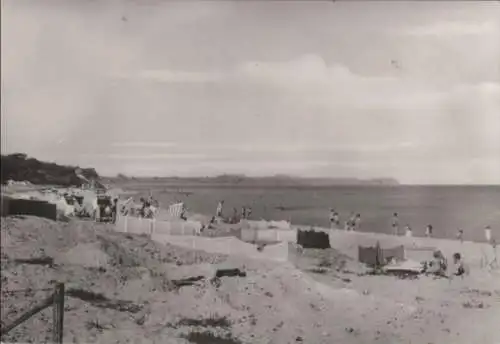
(11, 206)
(377, 256)
(313, 239)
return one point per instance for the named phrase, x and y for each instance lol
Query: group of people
(439, 265)
(352, 223)
(146, 209)
(408, 231)
(429, 231)
(246, 212)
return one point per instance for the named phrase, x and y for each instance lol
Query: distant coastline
(246, 181)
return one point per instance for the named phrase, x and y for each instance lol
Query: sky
(408, 90)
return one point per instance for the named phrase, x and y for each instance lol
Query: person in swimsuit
(395, 224)
(428, 231)
(332, 218)
(336, 219)
(357, 222)
(219, 209)
(347, 225)
(487, 234)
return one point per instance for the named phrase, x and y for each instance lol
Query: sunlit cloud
(456, 28)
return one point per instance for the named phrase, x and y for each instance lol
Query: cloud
(254, 151)
(456, 28)
(173, 88)
(308, 79)
(311, 79)
(294, 149)
(170, 76)
(140, 157)
(325, 111)
(144, 144)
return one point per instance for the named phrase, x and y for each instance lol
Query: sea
(446, 208)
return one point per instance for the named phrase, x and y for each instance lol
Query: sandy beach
(279, 300)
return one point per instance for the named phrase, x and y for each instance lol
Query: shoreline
(475, 254)
(472, 252)
(315, 214)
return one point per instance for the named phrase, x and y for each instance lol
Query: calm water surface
(447, 208)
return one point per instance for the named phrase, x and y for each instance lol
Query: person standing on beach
(487, 234)
(347, 225)
(492, 241)
(114, 209)
(183, 212)
(494, 263)
(352, 222)
(357, 222)
(395, 224)
(249, 212)
(428, 231)
(218, 213)
(143, 207)
(332, 218)
(336, 219)
(408, 231)
(460, 235)
(235, 215)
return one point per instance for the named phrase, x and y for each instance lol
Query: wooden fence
(56, 300)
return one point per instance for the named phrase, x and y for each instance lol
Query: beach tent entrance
(377, 256)
(313, 239)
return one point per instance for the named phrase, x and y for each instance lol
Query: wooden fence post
(46, 303)
(58, 313)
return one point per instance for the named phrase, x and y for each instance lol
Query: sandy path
(227, 245)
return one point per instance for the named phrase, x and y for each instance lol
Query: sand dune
(277, 302)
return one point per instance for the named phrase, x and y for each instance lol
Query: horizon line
(398, 183)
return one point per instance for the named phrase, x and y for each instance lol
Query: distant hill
(227, 180)
(20, 167)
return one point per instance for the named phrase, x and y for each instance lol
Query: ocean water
(446, 208)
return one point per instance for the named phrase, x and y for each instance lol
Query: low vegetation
(20, 167)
